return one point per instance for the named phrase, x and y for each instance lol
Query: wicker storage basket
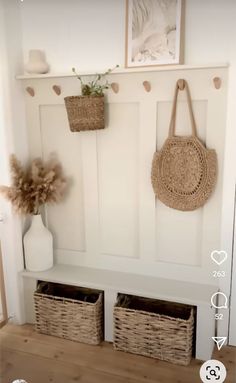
(69, 312)
(154, 328)
(85, 112)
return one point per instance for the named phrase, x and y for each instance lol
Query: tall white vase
(38, 246)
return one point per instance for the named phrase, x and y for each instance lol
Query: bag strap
(174, 108)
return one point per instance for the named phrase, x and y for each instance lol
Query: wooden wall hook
(57, 89)
(217, 82)
(30, 91)
(115, 87)
(181, 84)
(147, 86)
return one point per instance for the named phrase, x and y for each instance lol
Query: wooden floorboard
(39, 358)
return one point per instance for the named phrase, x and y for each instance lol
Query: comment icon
(219, 300)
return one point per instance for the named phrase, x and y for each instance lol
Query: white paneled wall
(67, 218)
(110, 218)
(118, 177)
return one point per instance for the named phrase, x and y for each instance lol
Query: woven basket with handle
(184, 171)
(85, 112)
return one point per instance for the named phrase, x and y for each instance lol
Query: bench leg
(205, 332)
(30, 285)
(109, 302)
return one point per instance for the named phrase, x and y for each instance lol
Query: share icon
(219, 340)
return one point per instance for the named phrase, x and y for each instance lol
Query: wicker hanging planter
(85, 112)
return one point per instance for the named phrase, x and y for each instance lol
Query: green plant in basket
(87, 111)
(97, 86)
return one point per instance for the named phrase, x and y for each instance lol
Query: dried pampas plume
(38, 184)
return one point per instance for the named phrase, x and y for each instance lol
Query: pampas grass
(39, 183)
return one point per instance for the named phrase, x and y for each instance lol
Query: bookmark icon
(220, 341)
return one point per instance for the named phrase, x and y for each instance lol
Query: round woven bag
(184, 171)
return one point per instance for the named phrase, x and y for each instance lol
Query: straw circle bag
(184, 171)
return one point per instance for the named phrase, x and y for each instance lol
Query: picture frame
(154, 32)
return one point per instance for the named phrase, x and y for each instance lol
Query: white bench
(112, 282)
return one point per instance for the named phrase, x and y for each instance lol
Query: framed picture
(153, 32)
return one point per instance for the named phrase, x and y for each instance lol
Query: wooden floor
(42, 359)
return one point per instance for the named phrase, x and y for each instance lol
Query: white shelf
(176, 291)
(165, 68)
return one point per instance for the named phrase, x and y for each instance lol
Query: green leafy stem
(95, 87)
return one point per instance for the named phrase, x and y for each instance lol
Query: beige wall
(91, 34)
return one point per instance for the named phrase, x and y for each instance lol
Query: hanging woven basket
(85, 112)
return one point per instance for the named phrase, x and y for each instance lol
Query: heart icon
(219, 257)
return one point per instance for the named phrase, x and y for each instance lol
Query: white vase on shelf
(38, 246)
(37, 63)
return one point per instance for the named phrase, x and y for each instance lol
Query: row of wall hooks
(216, 81)
(56, 89)
(115, 86)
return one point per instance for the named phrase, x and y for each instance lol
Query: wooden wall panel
(178, 236)
(118, 159)
(65, 220)
(110, 218)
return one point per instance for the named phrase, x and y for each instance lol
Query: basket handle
(174, 108)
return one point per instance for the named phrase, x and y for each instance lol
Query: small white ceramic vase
(37, 62)
(38, 246)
